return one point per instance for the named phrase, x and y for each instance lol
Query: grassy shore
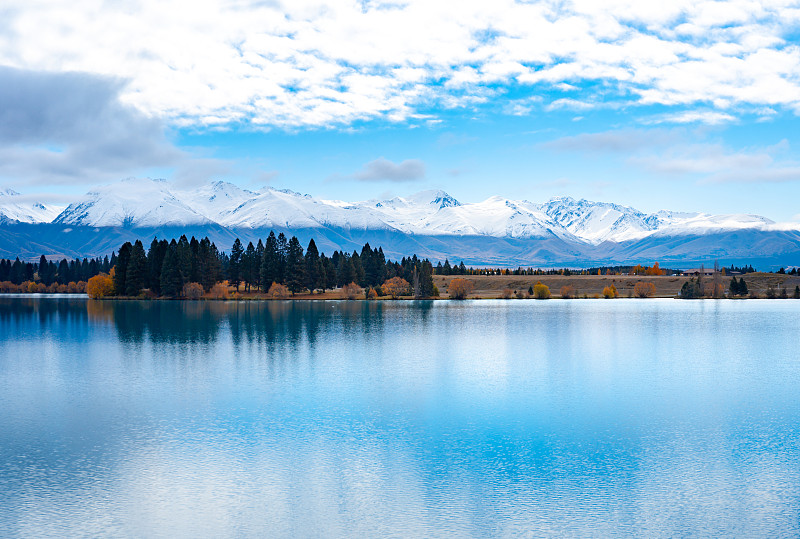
(667, 286)
(494, 286)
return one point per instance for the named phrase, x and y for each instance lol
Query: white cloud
(707, 117)
(311, 63)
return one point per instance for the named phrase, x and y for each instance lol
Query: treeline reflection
(178, 322)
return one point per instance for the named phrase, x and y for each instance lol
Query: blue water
(472, 419)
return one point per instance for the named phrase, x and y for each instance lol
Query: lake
(399, 419)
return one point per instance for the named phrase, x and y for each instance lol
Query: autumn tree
(278, 291)
(610, 292)
(351, 291)
(644, 289)
(192, 291)
(655, 270)
(396, 287)
(541, 291)
(100, 286)
(567, 292)
(460, 288)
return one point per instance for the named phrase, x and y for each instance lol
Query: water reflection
(395, 418)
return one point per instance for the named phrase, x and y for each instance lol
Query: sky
(681, 105)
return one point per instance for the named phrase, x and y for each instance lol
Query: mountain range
(497, 231)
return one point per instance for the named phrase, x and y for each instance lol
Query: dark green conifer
(136, 274)
(295, 266)
(235, 263)
(121, 271)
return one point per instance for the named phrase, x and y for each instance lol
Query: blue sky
(687, 106)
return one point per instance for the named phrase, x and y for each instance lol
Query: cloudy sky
(687, 105)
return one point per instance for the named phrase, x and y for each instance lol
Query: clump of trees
(192, 268)
(738, 288)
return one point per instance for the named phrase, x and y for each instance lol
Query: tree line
(49, 276)
(167, 268)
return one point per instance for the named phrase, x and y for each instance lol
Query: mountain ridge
(498, 230)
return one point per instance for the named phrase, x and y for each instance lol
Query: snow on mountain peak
(151, 203)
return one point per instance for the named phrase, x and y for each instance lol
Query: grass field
(493, 286)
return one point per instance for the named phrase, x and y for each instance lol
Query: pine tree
(447, 270)
(283, 251)
(743, 287)
(256, 269)
(295, 266)
(734, 286)
(171, 280)
(120, 274)
(184, 259)
(313, 269)
(235, 263)
(269, 263)
(136, 274)
(248, 266)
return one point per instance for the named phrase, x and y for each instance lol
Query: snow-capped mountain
(13, 208)
(137, 203)
(132, 203)
(498, 230)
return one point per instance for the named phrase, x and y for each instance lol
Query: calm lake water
(487, 418)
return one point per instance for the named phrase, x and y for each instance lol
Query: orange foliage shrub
(460, 288)
(372, 294)
(351, 291)
(192, 291)
(396, 287)
(219, 290)
(644, 290)
(506, 293)
(278, 291)
(567, 292)
(100, 286)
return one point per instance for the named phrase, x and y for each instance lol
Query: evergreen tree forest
(165, 268)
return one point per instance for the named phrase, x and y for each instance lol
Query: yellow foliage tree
(541, 291)
(460, 288)
(396, 287)
(610, 292)
(100, 286)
